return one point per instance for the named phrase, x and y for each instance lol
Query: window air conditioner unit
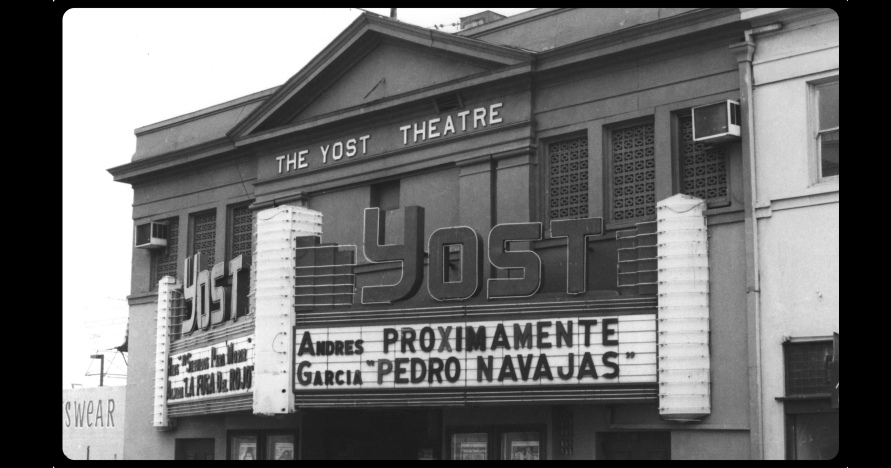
(716, 123)
(151, 236)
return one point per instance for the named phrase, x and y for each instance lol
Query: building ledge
(817, 396)
(142, 298)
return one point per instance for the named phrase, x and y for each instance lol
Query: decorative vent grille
(205, 238)
(166, 259)
(242, 231)
(704, 167)
(447, 103)
(568, 179)
(633, 174)
(806, 369)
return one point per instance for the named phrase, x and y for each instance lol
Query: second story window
(703, 167)
(827, 128)
(204, 237)
(632, 163)
(567, 180)
(241, 235)
(165, 260)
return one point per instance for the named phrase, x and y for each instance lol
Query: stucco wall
(799, 225)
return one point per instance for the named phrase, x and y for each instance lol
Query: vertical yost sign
(683, 318)
(275, 265)
(167, 287)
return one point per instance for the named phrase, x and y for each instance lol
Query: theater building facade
(526, 240)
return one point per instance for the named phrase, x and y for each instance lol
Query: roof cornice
(639, 36)
(130, 172)
(202, 113)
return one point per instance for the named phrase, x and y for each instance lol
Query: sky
(126, 68)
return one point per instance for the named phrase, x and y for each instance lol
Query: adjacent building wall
(799, 215)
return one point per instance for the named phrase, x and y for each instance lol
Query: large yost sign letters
(410, 254)
(214, 296)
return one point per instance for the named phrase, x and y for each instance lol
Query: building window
(807, 368)
(499, 443)
(262, 445)
(241, 232)
(470, 445)
(703, 167)
(165, 261)
(194, 449)
(204, 237)
(812, 436)
(386, 197)
(826, 97)
(567, 181)
(632, 174)
(812, 426)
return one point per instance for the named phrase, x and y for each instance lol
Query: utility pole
(393, 13)
(101, 358)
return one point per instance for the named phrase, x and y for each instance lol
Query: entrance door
(194, 449)
(371, 434)
(636, 445)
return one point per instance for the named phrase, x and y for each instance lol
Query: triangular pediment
(372, 60)
(389, 70)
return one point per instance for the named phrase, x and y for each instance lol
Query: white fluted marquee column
(166, 288)
(684, 357)
(274, 352)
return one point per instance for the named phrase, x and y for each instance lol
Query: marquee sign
(565, 351)
(219, 370)
(318, 336)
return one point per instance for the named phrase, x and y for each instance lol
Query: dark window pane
(521, 446)
(829, 153)
(828, 103)
(806, 370)
(243, 448)
(470, 446)
(280, 447)
(816, 436)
